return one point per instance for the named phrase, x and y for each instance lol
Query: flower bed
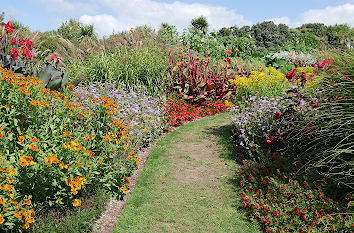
(52, 146)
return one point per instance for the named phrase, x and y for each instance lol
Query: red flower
(15, 41)
(270, 140)
(291, 74)
(55, 59)
(277, 115)
(27, 44)
(14, 53)
(8, 27)
(303, 76)
(26, 53)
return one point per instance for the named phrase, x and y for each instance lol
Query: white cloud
(138, 12)
(342, 14)
(330, 15)
(104, 24)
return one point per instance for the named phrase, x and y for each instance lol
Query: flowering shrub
(178, 111)
(52, 146)
(268, 82)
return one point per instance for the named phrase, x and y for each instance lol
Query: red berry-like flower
(8, 27)
(277, 115)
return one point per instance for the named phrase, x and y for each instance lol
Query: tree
(201, 24)
(267, 34)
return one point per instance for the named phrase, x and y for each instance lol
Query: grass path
(188, 183)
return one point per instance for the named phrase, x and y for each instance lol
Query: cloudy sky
(119, 15)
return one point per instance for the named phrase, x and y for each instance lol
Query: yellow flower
(21, 139)
(76, 202)
(59, 202)
(123, 190)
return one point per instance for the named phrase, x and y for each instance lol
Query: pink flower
(8, 27)
(55, 59)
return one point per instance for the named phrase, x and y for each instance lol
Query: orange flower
(66, 133)
(76, 202)
(1, 135)
(34, 147)
(2, 201)
(34, 140)
(1, 128)
(100, 162)
(2, 220)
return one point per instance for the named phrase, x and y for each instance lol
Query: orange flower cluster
(109, 104)
(26, 161)
(71, 105)
(40, 103)
(24, 83)
(73, 145)
(51, 159)
(76, 184)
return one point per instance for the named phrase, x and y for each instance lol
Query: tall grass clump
(131, 66)
(327, 132)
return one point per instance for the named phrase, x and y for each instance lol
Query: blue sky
(118, 15)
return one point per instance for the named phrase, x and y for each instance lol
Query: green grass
(166, 199)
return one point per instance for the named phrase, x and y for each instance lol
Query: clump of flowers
(281, 199)
(178, 112)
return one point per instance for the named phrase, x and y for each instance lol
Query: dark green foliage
(235, 31)
(52, 78)
(201, 24)
(268, 35)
